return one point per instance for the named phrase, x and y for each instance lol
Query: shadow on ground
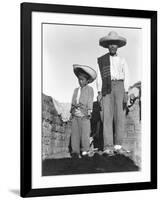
(15, 192)
(96, 164)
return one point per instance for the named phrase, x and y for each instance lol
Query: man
(112, 85)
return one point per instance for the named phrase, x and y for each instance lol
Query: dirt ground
(96, 164)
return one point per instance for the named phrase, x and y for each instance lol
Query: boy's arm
(73, 101)
(90, 100)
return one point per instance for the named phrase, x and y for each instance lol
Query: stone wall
(55, 132)
(132, 140)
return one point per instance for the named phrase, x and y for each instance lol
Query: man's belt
(117, 80)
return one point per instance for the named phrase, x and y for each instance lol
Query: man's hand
(125, 100)
(99, 97)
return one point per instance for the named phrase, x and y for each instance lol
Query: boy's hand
(78, 113)
(70, 118)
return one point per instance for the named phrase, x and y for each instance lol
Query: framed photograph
(88, 99)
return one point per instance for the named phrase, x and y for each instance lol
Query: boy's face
(83, 81)
(112, 49)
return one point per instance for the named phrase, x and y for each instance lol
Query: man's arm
(99, 84)
(98, 80)
(126, 75)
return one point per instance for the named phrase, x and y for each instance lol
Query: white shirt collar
(114, 55)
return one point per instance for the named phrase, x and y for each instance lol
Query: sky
(65, 45)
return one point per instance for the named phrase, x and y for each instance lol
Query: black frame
(26, 104)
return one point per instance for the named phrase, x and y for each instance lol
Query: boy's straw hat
(112, 38)
(86, 69)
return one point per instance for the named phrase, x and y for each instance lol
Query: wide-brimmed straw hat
(112, 38)
(79, 69)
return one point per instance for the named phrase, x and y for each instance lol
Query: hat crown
(113, 34)
(88, 70)
(112, 37)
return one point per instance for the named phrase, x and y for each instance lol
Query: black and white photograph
(80, 94)
(91, 99)
(88, 99)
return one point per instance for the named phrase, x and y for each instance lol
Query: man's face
(112, 49)
(82, 81)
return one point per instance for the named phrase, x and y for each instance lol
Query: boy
(82, 105)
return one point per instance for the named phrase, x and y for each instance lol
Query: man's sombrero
(112, 38)
(79, 69)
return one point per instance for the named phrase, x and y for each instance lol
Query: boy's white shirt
(78, 112)
(119, 70)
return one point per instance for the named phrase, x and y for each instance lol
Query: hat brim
(105, 42)
(88, 70)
